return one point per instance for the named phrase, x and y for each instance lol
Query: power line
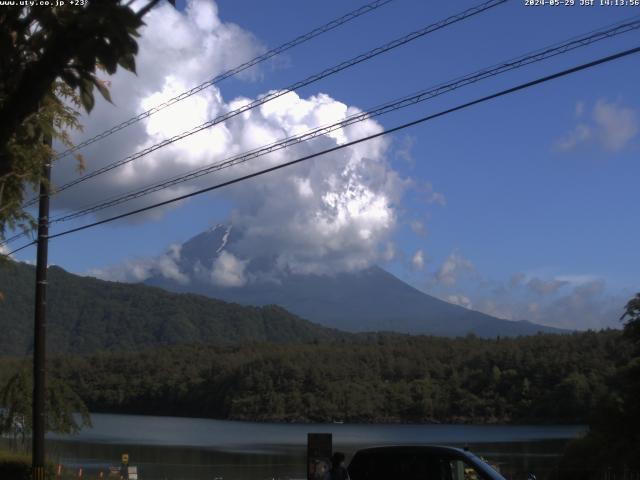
(624, 26)
(518, 62)
(21, 248)
(330, 71)
(272, 96)
(234, 71)
(442, 113)
(13, 238)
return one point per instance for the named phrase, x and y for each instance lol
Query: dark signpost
(319, 450)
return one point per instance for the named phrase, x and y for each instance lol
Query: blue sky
(523, 207)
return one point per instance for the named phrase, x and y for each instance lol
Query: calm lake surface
(190, 448)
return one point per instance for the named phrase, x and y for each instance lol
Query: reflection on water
(185, 448)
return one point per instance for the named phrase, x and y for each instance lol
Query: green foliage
(61, 403)
(87, 315)
(614, 436)
(632, 317)
(49, 56)
(137, 349)
(371, 378)
(27, 152)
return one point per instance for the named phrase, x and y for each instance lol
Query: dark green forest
(87, 315)
(382, 378)
(125, 348)
(137, 349)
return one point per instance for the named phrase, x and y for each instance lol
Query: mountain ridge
(87, 314)
(368, 300)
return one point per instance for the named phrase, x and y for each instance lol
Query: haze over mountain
(370, 299)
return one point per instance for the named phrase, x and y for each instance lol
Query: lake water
(193, 449)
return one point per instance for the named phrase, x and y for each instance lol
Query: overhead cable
(426, 118)
(500, 68)
(278, 93)
(230, 73)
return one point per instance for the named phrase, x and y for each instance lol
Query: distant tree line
(383, 378)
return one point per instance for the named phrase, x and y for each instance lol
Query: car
(423, 462)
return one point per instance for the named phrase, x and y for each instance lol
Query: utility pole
(40, 325)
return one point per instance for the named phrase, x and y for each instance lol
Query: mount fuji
(368, 300)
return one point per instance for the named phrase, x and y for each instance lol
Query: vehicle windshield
(418, 465)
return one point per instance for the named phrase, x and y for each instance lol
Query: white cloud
(404, 151)
(418, 260)
(451, 269)
(334, 213)
(611, 125)
(389, 252)
(616, 125)
(228, 271)
(428, 194)
(418, 227)
(459, 299)
(576, 301)
(580, 303)
(199, 47)
(580, 134)
(495, 308)
(585, 306)
(139, 270)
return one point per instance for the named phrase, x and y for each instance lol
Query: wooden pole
(40, 326)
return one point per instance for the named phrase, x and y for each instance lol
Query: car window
(462, 471)
(405, 466)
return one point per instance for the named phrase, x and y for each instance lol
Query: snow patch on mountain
(225, 238)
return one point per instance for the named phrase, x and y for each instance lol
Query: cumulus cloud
(580, 134)
(418, 260)
(389, 252)
(228, 271)
(418, 227)
(404, 151)
(332, 214)
(428, 194)
(584, 306)
(617, 125)
(452, 267)
(199, 47)
(459, 299)
(610, 125)
(571, 301)
(165, 265)
(4, 250)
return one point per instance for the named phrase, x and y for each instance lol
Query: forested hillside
(543, 378)
(86, 315)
